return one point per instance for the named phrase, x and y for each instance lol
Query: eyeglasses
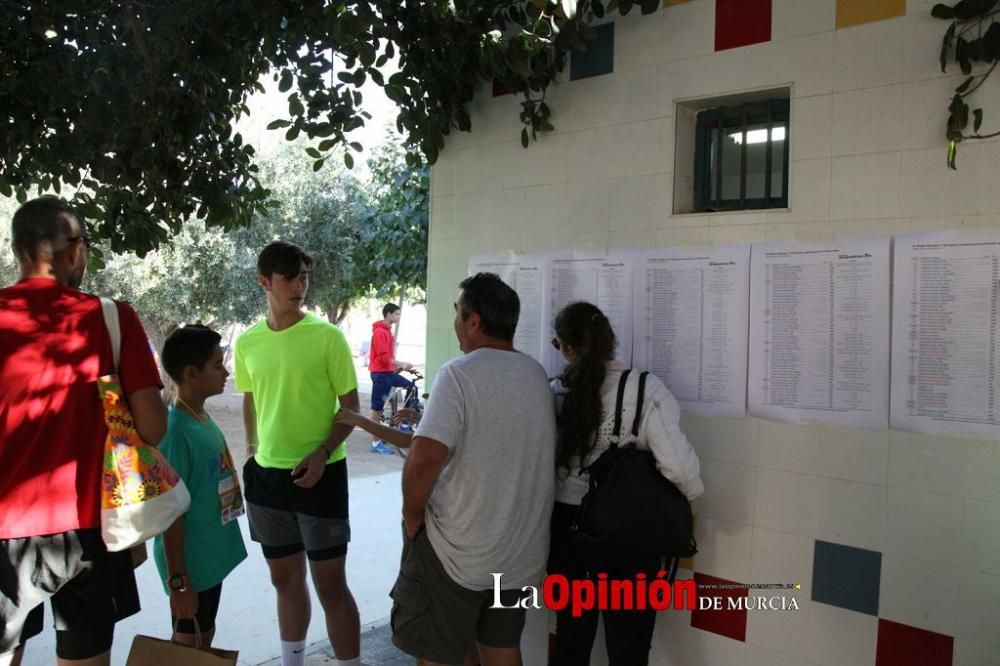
(87, 239)
(556, 344)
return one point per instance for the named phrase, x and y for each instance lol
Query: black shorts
(208, 609)
(89, 589)
(286, 519)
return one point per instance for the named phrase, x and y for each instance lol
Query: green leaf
(312, 152)
(327, 144)
(285, 83)
(356, 146)
(524, 137)
(318, 164)
(348, 161)
(276, 124)
(946, 44)
(977, 120)
(295, 107)
(965, 85)
(292, 134)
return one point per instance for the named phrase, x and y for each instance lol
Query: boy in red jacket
(384, 367)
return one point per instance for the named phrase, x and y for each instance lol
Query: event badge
(230, 497)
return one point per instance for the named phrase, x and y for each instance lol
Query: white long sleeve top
(659, 432)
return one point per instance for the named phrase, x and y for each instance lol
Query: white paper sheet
(604, 279)
(819, 332)
(691, 325)
(946, 354)
(525, 273)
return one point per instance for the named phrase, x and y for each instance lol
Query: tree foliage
(135, 102)
(972, 39)
(369, 239)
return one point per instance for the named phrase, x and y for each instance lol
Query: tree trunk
(395, 330)
(337, 312)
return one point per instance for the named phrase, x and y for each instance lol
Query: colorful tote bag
(141, 494)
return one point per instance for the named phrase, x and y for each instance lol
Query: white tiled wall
(867, 156)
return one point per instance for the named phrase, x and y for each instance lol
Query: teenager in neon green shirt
(295, 371)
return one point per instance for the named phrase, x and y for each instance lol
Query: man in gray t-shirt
(477, 491)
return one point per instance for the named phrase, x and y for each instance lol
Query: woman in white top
(585, 400)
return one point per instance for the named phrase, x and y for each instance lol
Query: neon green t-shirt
(295, 376)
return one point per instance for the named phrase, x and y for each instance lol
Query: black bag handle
(616, 434)
(638, 403)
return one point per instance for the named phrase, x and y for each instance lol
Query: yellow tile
(856, 12)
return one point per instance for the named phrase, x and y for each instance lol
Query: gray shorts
(435, 618)
(282, 533)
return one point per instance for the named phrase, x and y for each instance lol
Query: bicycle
(398, 398)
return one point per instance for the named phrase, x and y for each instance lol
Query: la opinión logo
(559, 592)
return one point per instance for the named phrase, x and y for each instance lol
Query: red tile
(741, 23)
(725, 622)
(903, 644)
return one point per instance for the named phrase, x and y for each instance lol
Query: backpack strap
(616, 433)
(638, 403)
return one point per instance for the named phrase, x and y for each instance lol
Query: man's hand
(184, 605)
(412, 525)
(310, 469)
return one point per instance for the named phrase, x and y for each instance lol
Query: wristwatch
(178, 583)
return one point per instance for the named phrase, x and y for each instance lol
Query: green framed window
(741, 156)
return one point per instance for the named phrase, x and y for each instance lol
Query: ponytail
(584, 329)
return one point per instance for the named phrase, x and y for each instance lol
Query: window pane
(756, 142)
(713, 142)
(731, 156)
(779, 143)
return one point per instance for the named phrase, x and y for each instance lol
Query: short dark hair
(494, 301)
(389, 308)
(283, 258)
(41, 221)
(188, 345)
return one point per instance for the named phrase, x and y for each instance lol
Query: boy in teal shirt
(200, 549)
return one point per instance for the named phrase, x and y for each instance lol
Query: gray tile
(847, 577)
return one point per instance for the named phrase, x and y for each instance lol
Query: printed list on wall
(691, 314)
(525, 274)
(808, 340)
(604, 279)
(819, 332)
(945, 351)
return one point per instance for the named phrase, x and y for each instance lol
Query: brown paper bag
(149, 651)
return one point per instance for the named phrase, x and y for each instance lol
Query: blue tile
(846, 577)
(599, 58)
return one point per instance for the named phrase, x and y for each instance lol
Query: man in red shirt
(384, 367)
(53, 346)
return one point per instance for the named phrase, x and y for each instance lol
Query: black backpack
(631, 513)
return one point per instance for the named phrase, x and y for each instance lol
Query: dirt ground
(227, 410)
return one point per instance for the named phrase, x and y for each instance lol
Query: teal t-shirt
(198, 452)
